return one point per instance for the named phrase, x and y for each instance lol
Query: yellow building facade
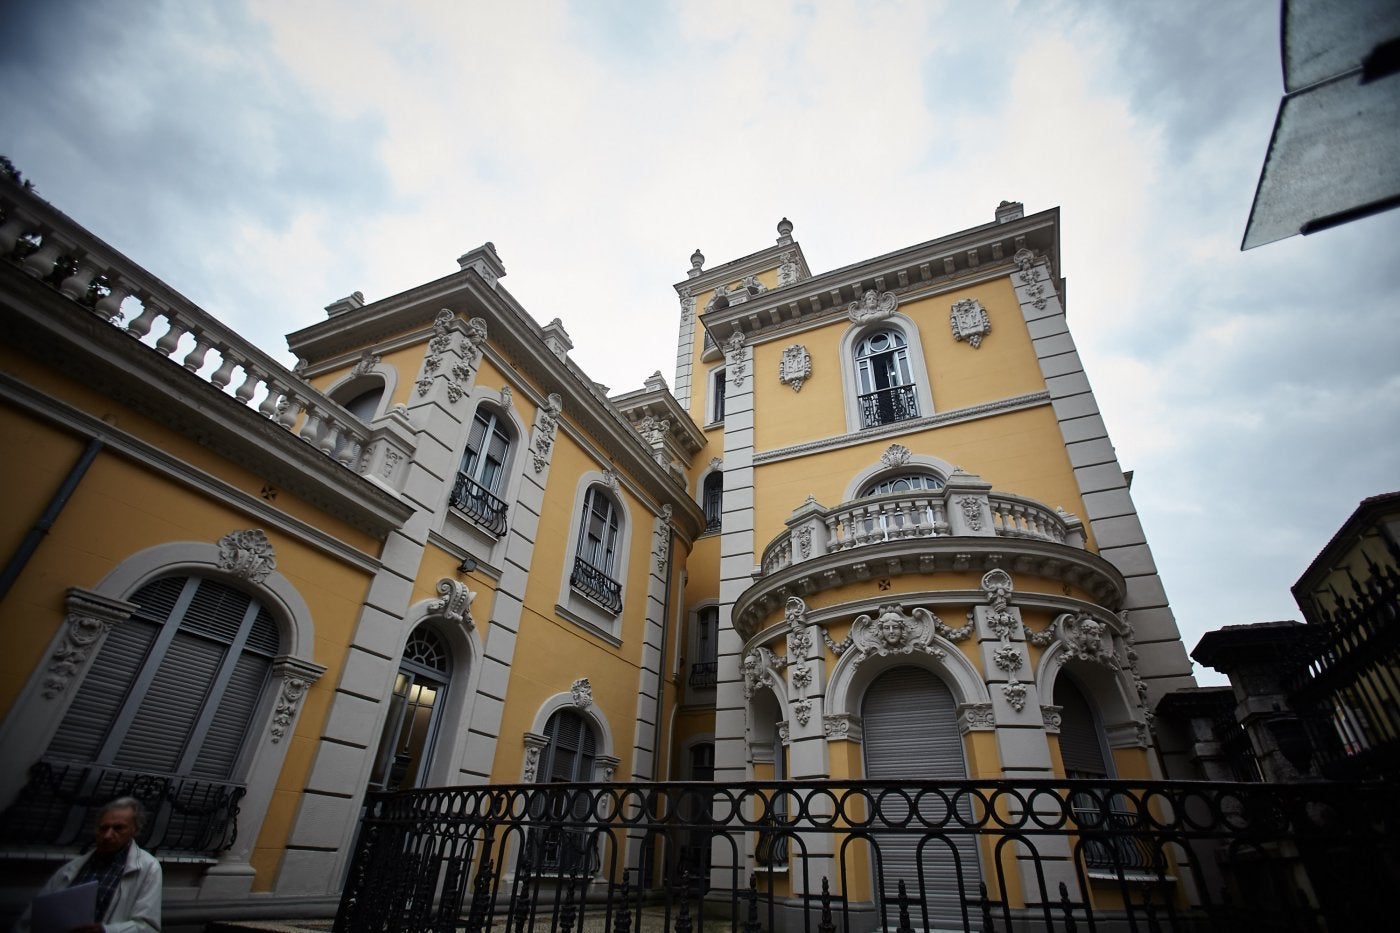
(873, 524)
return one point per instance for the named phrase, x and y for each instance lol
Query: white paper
(62, 910)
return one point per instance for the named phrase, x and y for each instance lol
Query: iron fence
(58, 805)
(829, 856)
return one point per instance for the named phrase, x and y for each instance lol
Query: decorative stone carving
(88, 617)
(896, 455)
(610, 478)
(787, 268)
(998, 587)
(542, 434)
(784, 732)
(366, 364)
(687, 304)
(891, 631)
(454, 602)
(971, 507)
(1052, 717)
(804, 541)
(802, 709)
(662, 549)
(535, 744)
(758, 671)
(1015, 693)
(716, 463)
(873, 306)
(1139, 685)
(802, 676)
(1083, 637)
(460, 373)
(735, 366)
(582, 692)
(653, 430)
(391, 460)
(1008, 658)
(969, 321)
(841, 726)
(1025, 260)
(247, 555)
(507, 397)
(976, 717)
(795, 367)
(297, 677)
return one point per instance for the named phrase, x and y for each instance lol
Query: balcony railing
(957, 509)
(52, 248)
(897, 403)
(703, 674)
(596, 585)
(822, 857)
(478, 503)
(58, 806)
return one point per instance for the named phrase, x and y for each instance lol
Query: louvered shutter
(1081, 745)
(103, 691)
(910, 726)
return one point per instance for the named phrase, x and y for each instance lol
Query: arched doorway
(910, 722)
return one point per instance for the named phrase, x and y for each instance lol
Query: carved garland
(736, 367)
(542, 434)
(1002, 621)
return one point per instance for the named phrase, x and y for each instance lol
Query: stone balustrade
(50, 246)
(966, 506)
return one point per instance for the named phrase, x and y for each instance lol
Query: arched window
(476, 491)
(884, 380)
(910, 721)
(172, 694)
(410, 727)
(572, 750)
(593, 572)
(365, 405)
(713, 500)
(1081, 737)
(903, 482)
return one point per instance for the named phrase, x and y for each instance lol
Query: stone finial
(784, 232)
(655, 382)
(557, 338)
(485, 261)
(1010, 210)
(349, 303)
(697, 263)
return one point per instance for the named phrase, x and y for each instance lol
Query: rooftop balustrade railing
(54, 249)
(836, 856)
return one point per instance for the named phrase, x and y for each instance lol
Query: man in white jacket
(128, 878)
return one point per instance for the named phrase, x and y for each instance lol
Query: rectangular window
(717, 385)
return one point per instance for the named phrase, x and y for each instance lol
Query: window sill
(607, 634)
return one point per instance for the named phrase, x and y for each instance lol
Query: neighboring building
(1321, 699)
(878, 529)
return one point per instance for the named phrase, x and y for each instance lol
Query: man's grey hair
(137, 808)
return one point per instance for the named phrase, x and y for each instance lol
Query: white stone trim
(914, 345)
(580, 610)
(361, 379)
(850, 676)
(914, 464)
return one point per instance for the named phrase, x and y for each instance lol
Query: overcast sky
(270, 156)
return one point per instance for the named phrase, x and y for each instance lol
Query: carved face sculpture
(890, 628)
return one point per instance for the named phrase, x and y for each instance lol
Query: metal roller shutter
(911, 732)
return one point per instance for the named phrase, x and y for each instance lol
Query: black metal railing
(596, 585)
(703, 674)
(479, 504)
(853, 857)
(58, 806)
(887, 406)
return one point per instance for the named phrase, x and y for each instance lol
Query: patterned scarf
(106, 871)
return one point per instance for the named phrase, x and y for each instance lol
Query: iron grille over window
(479, 504)
(596, 585)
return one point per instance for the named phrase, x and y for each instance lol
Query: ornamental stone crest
(972, 511)
(1084, 639)
(582, 693)
(969, 321)
(891, 631)
(653, 430)
(873, 306)
(795, 367)
(454, 602)
(366, 364)
(735, 366)
(802, 709)
(896, 455)
(542, 434)
(247, 555)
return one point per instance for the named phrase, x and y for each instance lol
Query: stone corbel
(296, 677)
(535, 744)
(454, 602)
(976, 717)
(842, 727)
(88, 617)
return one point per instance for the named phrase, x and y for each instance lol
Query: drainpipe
(30, 544)
(661, 664)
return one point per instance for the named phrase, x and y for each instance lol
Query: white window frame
(918, 370)
(716, 394)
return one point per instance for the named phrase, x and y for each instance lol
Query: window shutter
(1081, 745)
(910, 727)
(103, 691)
